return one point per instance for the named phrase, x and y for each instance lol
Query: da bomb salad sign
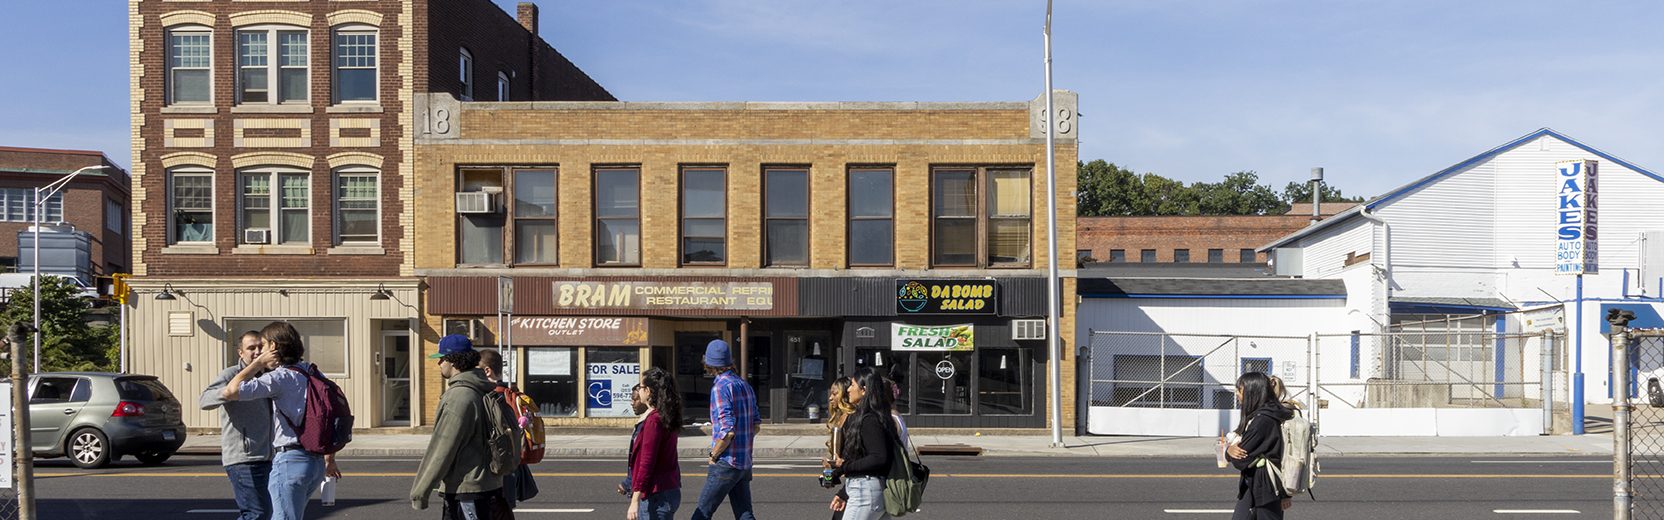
(932, 338)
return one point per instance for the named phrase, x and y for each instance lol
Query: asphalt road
(961, 489)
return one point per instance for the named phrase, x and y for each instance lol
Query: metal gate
(1182, 384)
(1638, 420)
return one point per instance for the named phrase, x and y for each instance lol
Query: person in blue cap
(458, 460)
(734, 423)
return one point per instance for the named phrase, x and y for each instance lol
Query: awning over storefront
(1449, 305)
(1220, 288)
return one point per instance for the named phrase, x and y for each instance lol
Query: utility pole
(1054, 348)
(22, 455)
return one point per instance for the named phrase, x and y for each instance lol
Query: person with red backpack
(299, 461)
(518, 486)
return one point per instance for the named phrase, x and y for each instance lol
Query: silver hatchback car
(96, 418)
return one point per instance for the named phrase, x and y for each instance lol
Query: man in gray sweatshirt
(245, 435)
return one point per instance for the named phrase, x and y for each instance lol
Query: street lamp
(40, 207)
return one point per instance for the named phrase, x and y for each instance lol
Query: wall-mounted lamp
(381, 293)
(166, 294)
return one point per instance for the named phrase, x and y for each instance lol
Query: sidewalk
(693, 445)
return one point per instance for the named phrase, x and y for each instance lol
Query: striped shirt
(733, 410)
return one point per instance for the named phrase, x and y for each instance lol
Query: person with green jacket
(458, 462)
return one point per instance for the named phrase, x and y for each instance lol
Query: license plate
(168, 435)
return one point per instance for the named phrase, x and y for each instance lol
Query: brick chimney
(526, 12)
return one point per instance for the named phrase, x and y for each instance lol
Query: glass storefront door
(690, 374)
(942, 382)
(395, 378)
(808, 371)
(759, 367)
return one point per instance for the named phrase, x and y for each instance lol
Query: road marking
(1601, 462)
(1536, 511)
(554, 510)
(1197, 511)
(213, 511)
(784, 466)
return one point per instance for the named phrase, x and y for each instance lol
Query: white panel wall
(1449, 223)
(1326, 251)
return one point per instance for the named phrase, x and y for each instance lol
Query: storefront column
(745, 345)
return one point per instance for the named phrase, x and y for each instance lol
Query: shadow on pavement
(92, 508)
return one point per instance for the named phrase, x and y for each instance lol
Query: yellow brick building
(593, 240)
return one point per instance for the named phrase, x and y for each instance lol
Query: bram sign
(653, 295)
(947, 297)
(579, 332)
(1575, 246)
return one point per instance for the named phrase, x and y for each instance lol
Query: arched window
(357, 206)
(190, 206)
(190, 65)
(355, 57)
(273, 65)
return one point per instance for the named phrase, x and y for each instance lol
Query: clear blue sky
(1379, 93)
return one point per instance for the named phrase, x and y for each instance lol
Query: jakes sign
(654, 295)
(947, 297)
(932, 338)
(1576, 248)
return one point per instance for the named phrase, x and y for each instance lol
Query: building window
(272, 66)
(465, 73)
(114, 217)
(704, 216)
(1117, 256)
(479, 237)
(355, 64)
(1084, 256)
(535, 236)
(277, 202)
(19, 206)
(1147, 256)
(1181, 256)
(190, 61)
(872, 209)
(618, 216)
(981, 217)
(357, 207)
(785, 217)
(1247, 256)
(326, 341)
(1003, 386)
(552, 380)
(1216, 256)
(190, 206)
(502, 86)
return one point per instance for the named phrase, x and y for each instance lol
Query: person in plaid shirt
(734, 423)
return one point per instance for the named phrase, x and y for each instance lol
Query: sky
(1378, 93)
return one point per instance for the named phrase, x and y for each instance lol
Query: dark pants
(1245, 510)
(248, 486)
(724, 481)
(489, 505)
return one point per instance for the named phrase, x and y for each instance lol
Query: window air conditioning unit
(257, 236)
(1028, 329)
(476, 202)
(470, 327)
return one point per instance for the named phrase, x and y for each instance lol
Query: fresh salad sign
(1575, 247)
(932, 338)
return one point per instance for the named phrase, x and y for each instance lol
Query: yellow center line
(1125, 476)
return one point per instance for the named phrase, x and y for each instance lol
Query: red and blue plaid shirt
(734, 409)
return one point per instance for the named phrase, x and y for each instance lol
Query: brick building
(94, 202)
(591, 241)
(1208, 239)
(273, 150)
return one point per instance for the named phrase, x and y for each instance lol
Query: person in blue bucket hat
(734, 423)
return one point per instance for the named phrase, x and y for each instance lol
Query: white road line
(548, 511)
(1536, 511)
(1602, 462)
(213, 511)
(1197, 511)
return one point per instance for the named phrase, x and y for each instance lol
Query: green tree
(68, 343)
(1106, 189)
(1239, 194)
(1302, 192)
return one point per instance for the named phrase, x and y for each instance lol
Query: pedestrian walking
(457, 463)
(638, 406)
(517, 486)
(279, 374)
(838, 411)
(655, 474)
(869, 443)
(1257, 443)
(245, 435)
(734, 424)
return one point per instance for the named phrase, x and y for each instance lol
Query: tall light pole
(40, 207)
(1054, 349)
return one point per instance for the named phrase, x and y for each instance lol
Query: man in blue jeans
(734, 423)
(245, 436)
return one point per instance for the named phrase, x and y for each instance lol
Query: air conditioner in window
(472, 328)
(257, 236)
(1028, 329)
(476, 202)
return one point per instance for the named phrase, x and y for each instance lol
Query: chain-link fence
(1188, 371)
(1646, 428)
(1442, 369)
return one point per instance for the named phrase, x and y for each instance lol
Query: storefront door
(759, 367)
(690, 374)
(808, 370)
(394, 355)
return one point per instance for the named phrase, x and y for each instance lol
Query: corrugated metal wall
(186, 364)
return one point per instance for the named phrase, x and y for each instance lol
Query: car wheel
(89, 448)
(152, 458)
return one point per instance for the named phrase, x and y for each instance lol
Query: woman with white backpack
(1255, 446)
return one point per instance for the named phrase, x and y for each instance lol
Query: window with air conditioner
(275, 205)
(479, 233)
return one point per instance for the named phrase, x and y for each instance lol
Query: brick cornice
(347, 16)
(177, 159)
(354, 159)
(247, 160)
(265, 16)
(192, 17)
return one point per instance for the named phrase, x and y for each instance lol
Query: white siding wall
(186, 364)
(1446, 224)
(1325, 251)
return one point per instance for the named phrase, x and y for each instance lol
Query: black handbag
(523, 483)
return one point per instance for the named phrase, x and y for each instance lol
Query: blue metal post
(1501, 350)
(1577, 360)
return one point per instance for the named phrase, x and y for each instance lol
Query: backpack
(904, 487)
(1298, 472)
(531, 427)
(502, 434)
(327, 425)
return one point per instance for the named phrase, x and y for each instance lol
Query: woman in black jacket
(1258, 443)
(869, 447)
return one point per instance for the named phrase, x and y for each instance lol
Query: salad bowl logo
(913, 296)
